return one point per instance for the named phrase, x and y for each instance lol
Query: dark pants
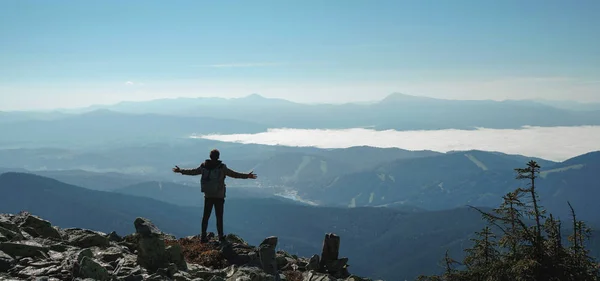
(208, 206)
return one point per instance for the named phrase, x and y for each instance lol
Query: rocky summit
(31, 248)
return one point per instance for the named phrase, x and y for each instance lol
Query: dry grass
(291, 275)
(203, 254)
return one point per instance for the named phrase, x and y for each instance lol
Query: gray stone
(181, 276)
(110, 254)
(5, 222)
(85, 238)
(313, 263)
(6, 262)
(34, 271)
(59, 247)
(114, 237)
(89, 268)
(84, 253)
(10, 234)
(202, 272)
(266, 252)
(41, 227)
(23, 249)
(249, 273)
(315, 276)
(151, 253)
(175, 255)
(146, 228)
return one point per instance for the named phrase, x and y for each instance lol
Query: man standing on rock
(213, 173)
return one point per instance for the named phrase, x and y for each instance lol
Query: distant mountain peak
(396, 97)
(254, 96)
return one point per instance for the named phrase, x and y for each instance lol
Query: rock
(84, 253)
(33, 271)
(6, 262)
(331, 249)
(126, 266)
(42, 228)
(85, 238)
(313, 263)
(146, 228)
(248, 273)
(181, 276)
(114, 237)
(266, 252)
(23, 249)
(5, 222)
(234, 239)
(10, 235)
(111, 254)
(338, 268)
(217, 278)
(175, 255)
(59, 247)
(151, 253)
(281, 261)
(315, 276)
(169, 271)
(197, 271)
(89, 268)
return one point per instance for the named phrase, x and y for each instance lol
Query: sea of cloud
(551, 143)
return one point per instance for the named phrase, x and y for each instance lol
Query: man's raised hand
(176, 169)
(251, 175)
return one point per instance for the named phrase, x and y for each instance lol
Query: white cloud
(552, 143)
(131, 83)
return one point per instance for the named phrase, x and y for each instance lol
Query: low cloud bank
(552, 143)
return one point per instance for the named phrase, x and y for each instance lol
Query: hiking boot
(222, 239)
(203, 239)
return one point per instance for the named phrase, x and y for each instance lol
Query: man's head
(214, 154)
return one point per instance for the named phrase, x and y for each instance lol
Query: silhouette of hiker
(212, 183)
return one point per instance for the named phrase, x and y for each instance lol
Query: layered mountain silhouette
(455, 179)
(173, 118)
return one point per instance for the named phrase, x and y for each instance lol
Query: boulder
(248, 273)
(145, 228)
(316, 276)
(90, 268)
(6, 262)
(197, 271)
(38, 227)
(266, 252)
(36, 271)
(151, 253)
(6, 222)
(23, 249)
(84, 238)
(114, 237)
(313, 263)
(175, 255)
(110, 254)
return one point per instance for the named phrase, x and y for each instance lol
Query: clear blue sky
(74, 53)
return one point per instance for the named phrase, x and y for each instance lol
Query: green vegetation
(529, 246)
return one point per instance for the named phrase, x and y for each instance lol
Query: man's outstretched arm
(237, 175)
(189, 172)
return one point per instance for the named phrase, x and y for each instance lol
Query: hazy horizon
(91, 105)
(65, 53)
(550, 143)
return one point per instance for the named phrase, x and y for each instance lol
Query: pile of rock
(32, 249)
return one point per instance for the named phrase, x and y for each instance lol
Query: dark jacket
(211, 164)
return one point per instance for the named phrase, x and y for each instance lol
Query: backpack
(211, 179)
